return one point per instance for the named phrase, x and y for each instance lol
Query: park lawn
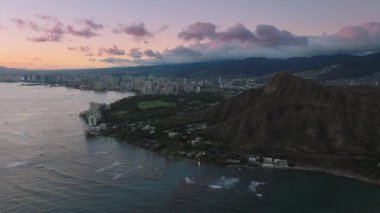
(155, 104)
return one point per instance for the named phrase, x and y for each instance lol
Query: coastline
(334, 172)
(309, 168)
(141, 132)
(338, 173)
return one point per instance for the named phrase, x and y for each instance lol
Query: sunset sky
(55, 34)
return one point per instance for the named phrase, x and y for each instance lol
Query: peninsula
(291, 122)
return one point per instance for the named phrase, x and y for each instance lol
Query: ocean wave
(189, 181)
(117, 176)
(253, 186)
(215, 186)
(101, 153)
(44, 167)
(18, 163)
(114, 164)
(100, 170)
(225, 183)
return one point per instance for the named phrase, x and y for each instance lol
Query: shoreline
(338, 173)
(334, 172)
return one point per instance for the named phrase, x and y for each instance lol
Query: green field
(155, 104)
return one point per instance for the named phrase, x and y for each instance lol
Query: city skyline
(59, 34)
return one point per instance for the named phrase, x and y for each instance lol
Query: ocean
(47, 164)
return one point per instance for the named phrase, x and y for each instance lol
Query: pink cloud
(2, 27)
(352, 33)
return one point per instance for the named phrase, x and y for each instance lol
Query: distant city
(145, 85)
(152, 85)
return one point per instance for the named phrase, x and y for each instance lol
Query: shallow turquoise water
(47, 164)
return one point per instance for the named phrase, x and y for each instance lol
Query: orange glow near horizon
(39, 34)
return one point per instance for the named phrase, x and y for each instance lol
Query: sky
(65, 34)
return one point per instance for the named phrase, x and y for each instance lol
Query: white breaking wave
(44, 167)
(117, 176)
(101, 153)
(100, 170)
(189, 181)
(253, 186)
(215, 186)
(225, 183)
(114, 164)
(18, 163)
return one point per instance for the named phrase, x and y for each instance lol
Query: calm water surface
(47, 164)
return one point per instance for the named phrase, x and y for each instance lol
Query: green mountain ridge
(293, 118)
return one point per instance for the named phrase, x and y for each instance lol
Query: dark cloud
(26, 24)
(116, 61)
(198, 31)
(114, 50)
(72, 48)
(51, 29)
(84, 49)
(48, 37)
(137, 31)
(373, 29)
(269, 41)
(37, 59)
(239, 42)
(162, 28)
(91, 24)
(153, 54)
(137, 57)
(85, 33)
(271, 36)
(88, 28)
(135, 53)
(238, 32)
(264, 35)
(183, 52)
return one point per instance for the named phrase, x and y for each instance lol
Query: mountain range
(303, 121)
(340, 66)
